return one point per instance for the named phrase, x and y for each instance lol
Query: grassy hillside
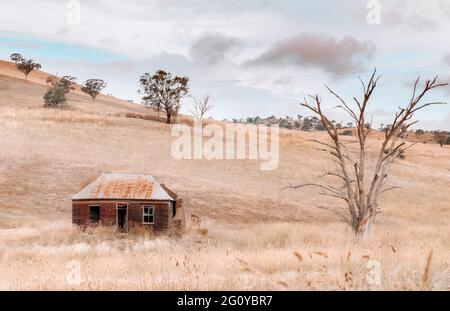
(48, 155)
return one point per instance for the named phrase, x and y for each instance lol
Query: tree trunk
(362, 227)
(169, 116)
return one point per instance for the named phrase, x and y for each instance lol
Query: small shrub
(320, 127)
(55, 97)
(202, 231)
(347, 133)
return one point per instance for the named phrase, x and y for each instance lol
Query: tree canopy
(93, 87)
(24, 65)
(163, 91)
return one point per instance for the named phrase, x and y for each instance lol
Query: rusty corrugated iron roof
(123, 186)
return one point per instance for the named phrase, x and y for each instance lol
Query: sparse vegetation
(55, 97)
(441, 137)
(347, 133)
(419, 132)
(24, 65)
(66, 82)
(163, 91)
(257, 240)
(287, 256)
(200, 108)
(93, 87)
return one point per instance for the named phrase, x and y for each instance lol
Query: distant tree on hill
(93, 87)
(66, 82)
(347, 133)
(440, 138)
(16, 58)
(163, 91)
(55, 97)
(320, 127)
(24, 65)
(419, 132)
(201, 107)
(307, 124)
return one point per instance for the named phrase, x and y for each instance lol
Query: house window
(94, 213)
(148, 214)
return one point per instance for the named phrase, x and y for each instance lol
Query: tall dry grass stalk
(426, 271)
(227, 258)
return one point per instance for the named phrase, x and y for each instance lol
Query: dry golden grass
(253, 234)
(286, 256)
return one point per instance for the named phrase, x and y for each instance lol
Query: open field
(288, 256)
(251, 227)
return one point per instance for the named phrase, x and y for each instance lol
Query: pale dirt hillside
(48, 155)
(18, 92)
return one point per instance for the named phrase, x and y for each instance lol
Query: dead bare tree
(201, 107)
(361, 189)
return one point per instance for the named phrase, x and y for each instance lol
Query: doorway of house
(122, 217)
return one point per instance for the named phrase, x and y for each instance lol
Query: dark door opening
(94, 213)
(122, 217)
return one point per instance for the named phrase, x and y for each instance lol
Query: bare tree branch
(361, 193)
(201, 107)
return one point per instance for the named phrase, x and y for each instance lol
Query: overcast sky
(254, 57)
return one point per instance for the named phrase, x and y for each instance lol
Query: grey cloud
(446, 79)
(22, 45)
(444, 7)
(446, 59)
(212, 48)
(107, 42)
(409, 20)
(381, 113)
(318, 50)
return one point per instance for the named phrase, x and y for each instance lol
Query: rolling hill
(47, 155)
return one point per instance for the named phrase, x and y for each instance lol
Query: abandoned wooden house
(126, 201)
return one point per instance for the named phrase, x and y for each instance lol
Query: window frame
(152, 214)
(90, 216)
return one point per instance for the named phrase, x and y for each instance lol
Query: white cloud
(209, 39)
